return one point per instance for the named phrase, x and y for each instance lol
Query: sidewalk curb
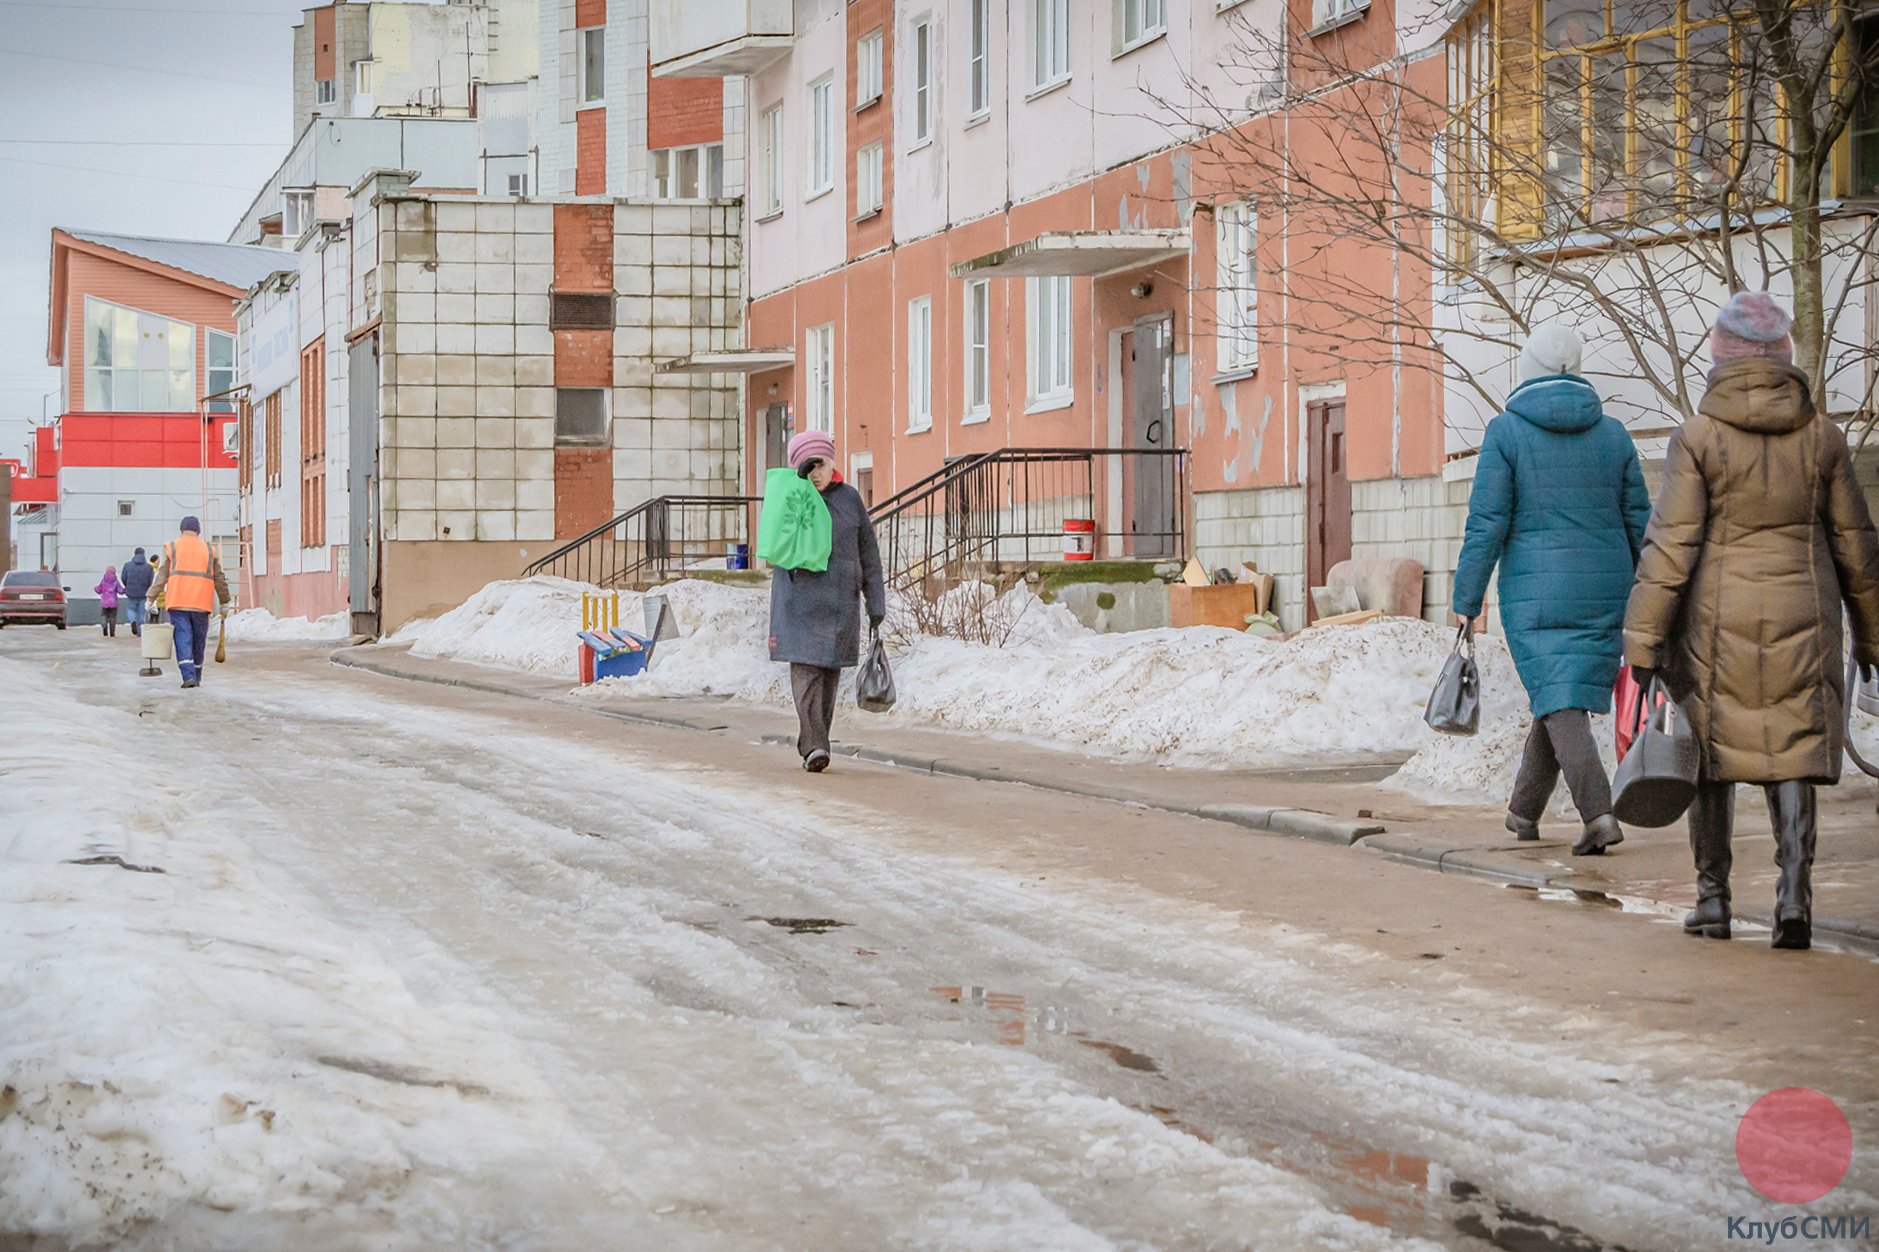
(1308, 824)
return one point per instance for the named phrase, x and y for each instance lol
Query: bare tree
(1434, 209)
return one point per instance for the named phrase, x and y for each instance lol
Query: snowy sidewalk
(1332, 799)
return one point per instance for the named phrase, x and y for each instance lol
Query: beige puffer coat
(1760, 533)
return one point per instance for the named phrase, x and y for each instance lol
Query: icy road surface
(311, 960)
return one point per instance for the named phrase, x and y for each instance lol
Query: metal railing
(1009, 508)
(652, 542)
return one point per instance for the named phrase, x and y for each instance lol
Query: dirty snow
(257, 625)
(1195, 697)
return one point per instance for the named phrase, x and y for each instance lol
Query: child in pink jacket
(108, 591)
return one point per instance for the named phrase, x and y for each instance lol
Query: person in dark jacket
(1761, 534)
(815, 618)
(137, 576)
(1559, 503)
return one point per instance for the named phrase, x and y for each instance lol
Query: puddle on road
(1396, 1191)
(802, 925)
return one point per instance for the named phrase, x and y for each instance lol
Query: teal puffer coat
(1559, 503)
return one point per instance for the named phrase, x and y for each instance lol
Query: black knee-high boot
(1791, 806)
(1712, 822)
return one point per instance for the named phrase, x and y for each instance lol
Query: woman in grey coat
(815, 618)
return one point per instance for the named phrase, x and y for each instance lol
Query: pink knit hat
(809, 446)
(1750, 324)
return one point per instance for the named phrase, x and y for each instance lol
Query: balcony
(719, 39)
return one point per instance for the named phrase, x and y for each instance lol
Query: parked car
(32, 596)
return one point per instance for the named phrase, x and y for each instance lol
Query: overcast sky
(146, 117)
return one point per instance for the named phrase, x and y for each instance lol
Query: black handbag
(1455, 704)
(874, 686)
(1657, 779)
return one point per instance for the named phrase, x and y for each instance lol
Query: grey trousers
(1559, 742)
(814, 688)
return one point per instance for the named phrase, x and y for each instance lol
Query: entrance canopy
(1078, 254)
(730, 361)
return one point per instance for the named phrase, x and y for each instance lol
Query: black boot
(1791, 807)
(1712, 822)
(1600, 834)
(1523, 828)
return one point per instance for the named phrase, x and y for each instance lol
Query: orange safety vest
(190, 583)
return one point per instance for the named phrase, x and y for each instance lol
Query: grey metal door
(1152, 529)
(361, 475)
(776, 434)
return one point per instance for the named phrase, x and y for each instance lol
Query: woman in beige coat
(1760, 534)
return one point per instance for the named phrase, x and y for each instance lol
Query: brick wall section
(684, 111)
(590, 152)
(325, 57)
(583, 490)
(590, 12)
(583, 358)
(583, 247)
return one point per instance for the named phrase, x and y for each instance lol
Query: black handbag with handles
(874, 685)
(1455, 704)
(1657, 779)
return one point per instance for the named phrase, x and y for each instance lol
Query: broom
(221, 640)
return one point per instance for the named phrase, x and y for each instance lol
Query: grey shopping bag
(1657, 779)
(1455, 704)
(874, 686)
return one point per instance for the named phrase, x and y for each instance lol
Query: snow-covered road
(361, 966)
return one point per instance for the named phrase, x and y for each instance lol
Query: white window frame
(212, 384)
(920, 52)
(1150, 18)
(518, 184)
(978, 59)
(589, 95)
(919, 364)
(978, 341)
(602, 440)
(326, 91)
(178, 382)
(819, 381)
(821, 145)
(362, 77)
(770, 155)
(868, 165)
(868, 68)
(1049, 319)
(665, 163)
(1050, 44)
(1236, 302)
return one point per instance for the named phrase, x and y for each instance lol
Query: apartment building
(1151, 224)
(143, 331)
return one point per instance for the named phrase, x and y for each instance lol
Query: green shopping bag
(793, 530)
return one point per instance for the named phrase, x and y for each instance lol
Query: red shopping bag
(1628, 711)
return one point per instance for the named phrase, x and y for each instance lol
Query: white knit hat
(1554, 348)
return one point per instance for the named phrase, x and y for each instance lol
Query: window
(922, 82)
(1236, 301)
(978, 59)
(1138, 21)
(244, 447)
(361, 78)
(819, 351)
(978, 350)
(221, 354)
(770, 158)
(326, 91)
(821, 135)
(518, 184)
(1864, 125)
(592, 72)
(137, 362)
(313, 445)
(1047, 334)
(1334, 12)
(920, 364)
(868, 68)
(126, 508)
(271, 439)
(868, 181)
(1050, 42)
(296, 212)
(688, 173)
(581, 416)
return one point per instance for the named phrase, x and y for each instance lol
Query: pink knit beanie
(809, 446)
(1750, 324)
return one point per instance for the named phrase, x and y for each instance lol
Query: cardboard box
(1228, 604)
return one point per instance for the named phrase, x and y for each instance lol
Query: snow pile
(1195, 697)
(260, 626)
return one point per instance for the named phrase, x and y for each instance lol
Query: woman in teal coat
(1559, 504)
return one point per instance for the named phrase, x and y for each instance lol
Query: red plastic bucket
(1079, 539)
